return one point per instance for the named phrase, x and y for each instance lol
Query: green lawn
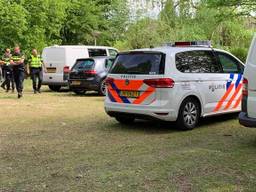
(62, 142)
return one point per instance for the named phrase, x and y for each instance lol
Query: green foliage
(240, 52)
(186, 20)
(39, 23)
(82, 20)
(10, 34)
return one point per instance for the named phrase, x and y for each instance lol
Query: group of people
(13, 70)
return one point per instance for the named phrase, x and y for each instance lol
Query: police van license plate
(51, 70)
(75, 82)
(130, 94)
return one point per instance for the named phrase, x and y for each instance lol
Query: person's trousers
(19, 76)
(37, 78)
(4, 77)
(9, 80)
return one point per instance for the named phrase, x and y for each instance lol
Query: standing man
(7, 68)
(36, 66)
(5, 62)
(17, 60)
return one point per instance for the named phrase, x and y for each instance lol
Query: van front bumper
(247, 121)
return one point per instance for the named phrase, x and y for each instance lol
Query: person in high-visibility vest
(17, 61)
(36, 67)
(8, 72)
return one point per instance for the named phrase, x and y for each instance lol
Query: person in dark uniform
(8, 81)
(17, 61)
(4, 62)
(36, 67)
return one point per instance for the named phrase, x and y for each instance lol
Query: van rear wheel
(54, 87)
(125, 119)
(189, 114)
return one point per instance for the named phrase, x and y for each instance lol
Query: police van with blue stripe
(179, 82)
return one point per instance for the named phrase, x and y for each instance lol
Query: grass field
(62, 142)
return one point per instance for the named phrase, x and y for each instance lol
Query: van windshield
(84, 65)
(146, 63)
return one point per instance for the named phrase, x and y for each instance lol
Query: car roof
(81, 46)
(170, 49)
(177, 49)
(97, 58)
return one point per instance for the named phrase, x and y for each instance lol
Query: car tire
(189, 114)
(79, 92)
(55, 87)
(102, 88)
(125, 119)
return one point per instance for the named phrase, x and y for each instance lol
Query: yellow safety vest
(36, 62)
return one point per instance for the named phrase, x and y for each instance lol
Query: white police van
(181, 82)
(248, 115)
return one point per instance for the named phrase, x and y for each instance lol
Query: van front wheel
(189, 114)
(79, 92)
(102, 88)
(55, 87)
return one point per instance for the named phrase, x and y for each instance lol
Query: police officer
(4, 61)
(17, 60)
(7, 68)
(35, 69)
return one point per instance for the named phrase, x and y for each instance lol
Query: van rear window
(97, 52)
(82, 65)
(139, 63)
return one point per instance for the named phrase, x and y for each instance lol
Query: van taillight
(109, 81)
(160, 83)
(91, 72)
(66, 69)
(245, 87)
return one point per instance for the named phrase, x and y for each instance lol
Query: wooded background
(127, 24)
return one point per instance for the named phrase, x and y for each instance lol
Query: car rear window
(97, 52)
(139, 63)
(80, 65)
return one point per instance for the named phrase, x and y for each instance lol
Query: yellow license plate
(76, 82)
(51, 70)
(130, 94)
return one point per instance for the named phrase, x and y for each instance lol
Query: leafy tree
(13, 24)
(82, 20)
(236, 7)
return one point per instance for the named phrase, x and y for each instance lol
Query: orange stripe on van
(238, 102)
(114, 94)
(220, 103)
(146, 94)
(233, 96)
(133, 85)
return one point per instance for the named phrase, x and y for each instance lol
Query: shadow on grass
(161, 127)
(88, 94)
(218, 119)
(148, 126)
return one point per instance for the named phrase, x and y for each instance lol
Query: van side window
(228, 63)
(112, 52)
(197, 62)
(97, 52)
(109, 63)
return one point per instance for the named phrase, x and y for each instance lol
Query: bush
(240, 53)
